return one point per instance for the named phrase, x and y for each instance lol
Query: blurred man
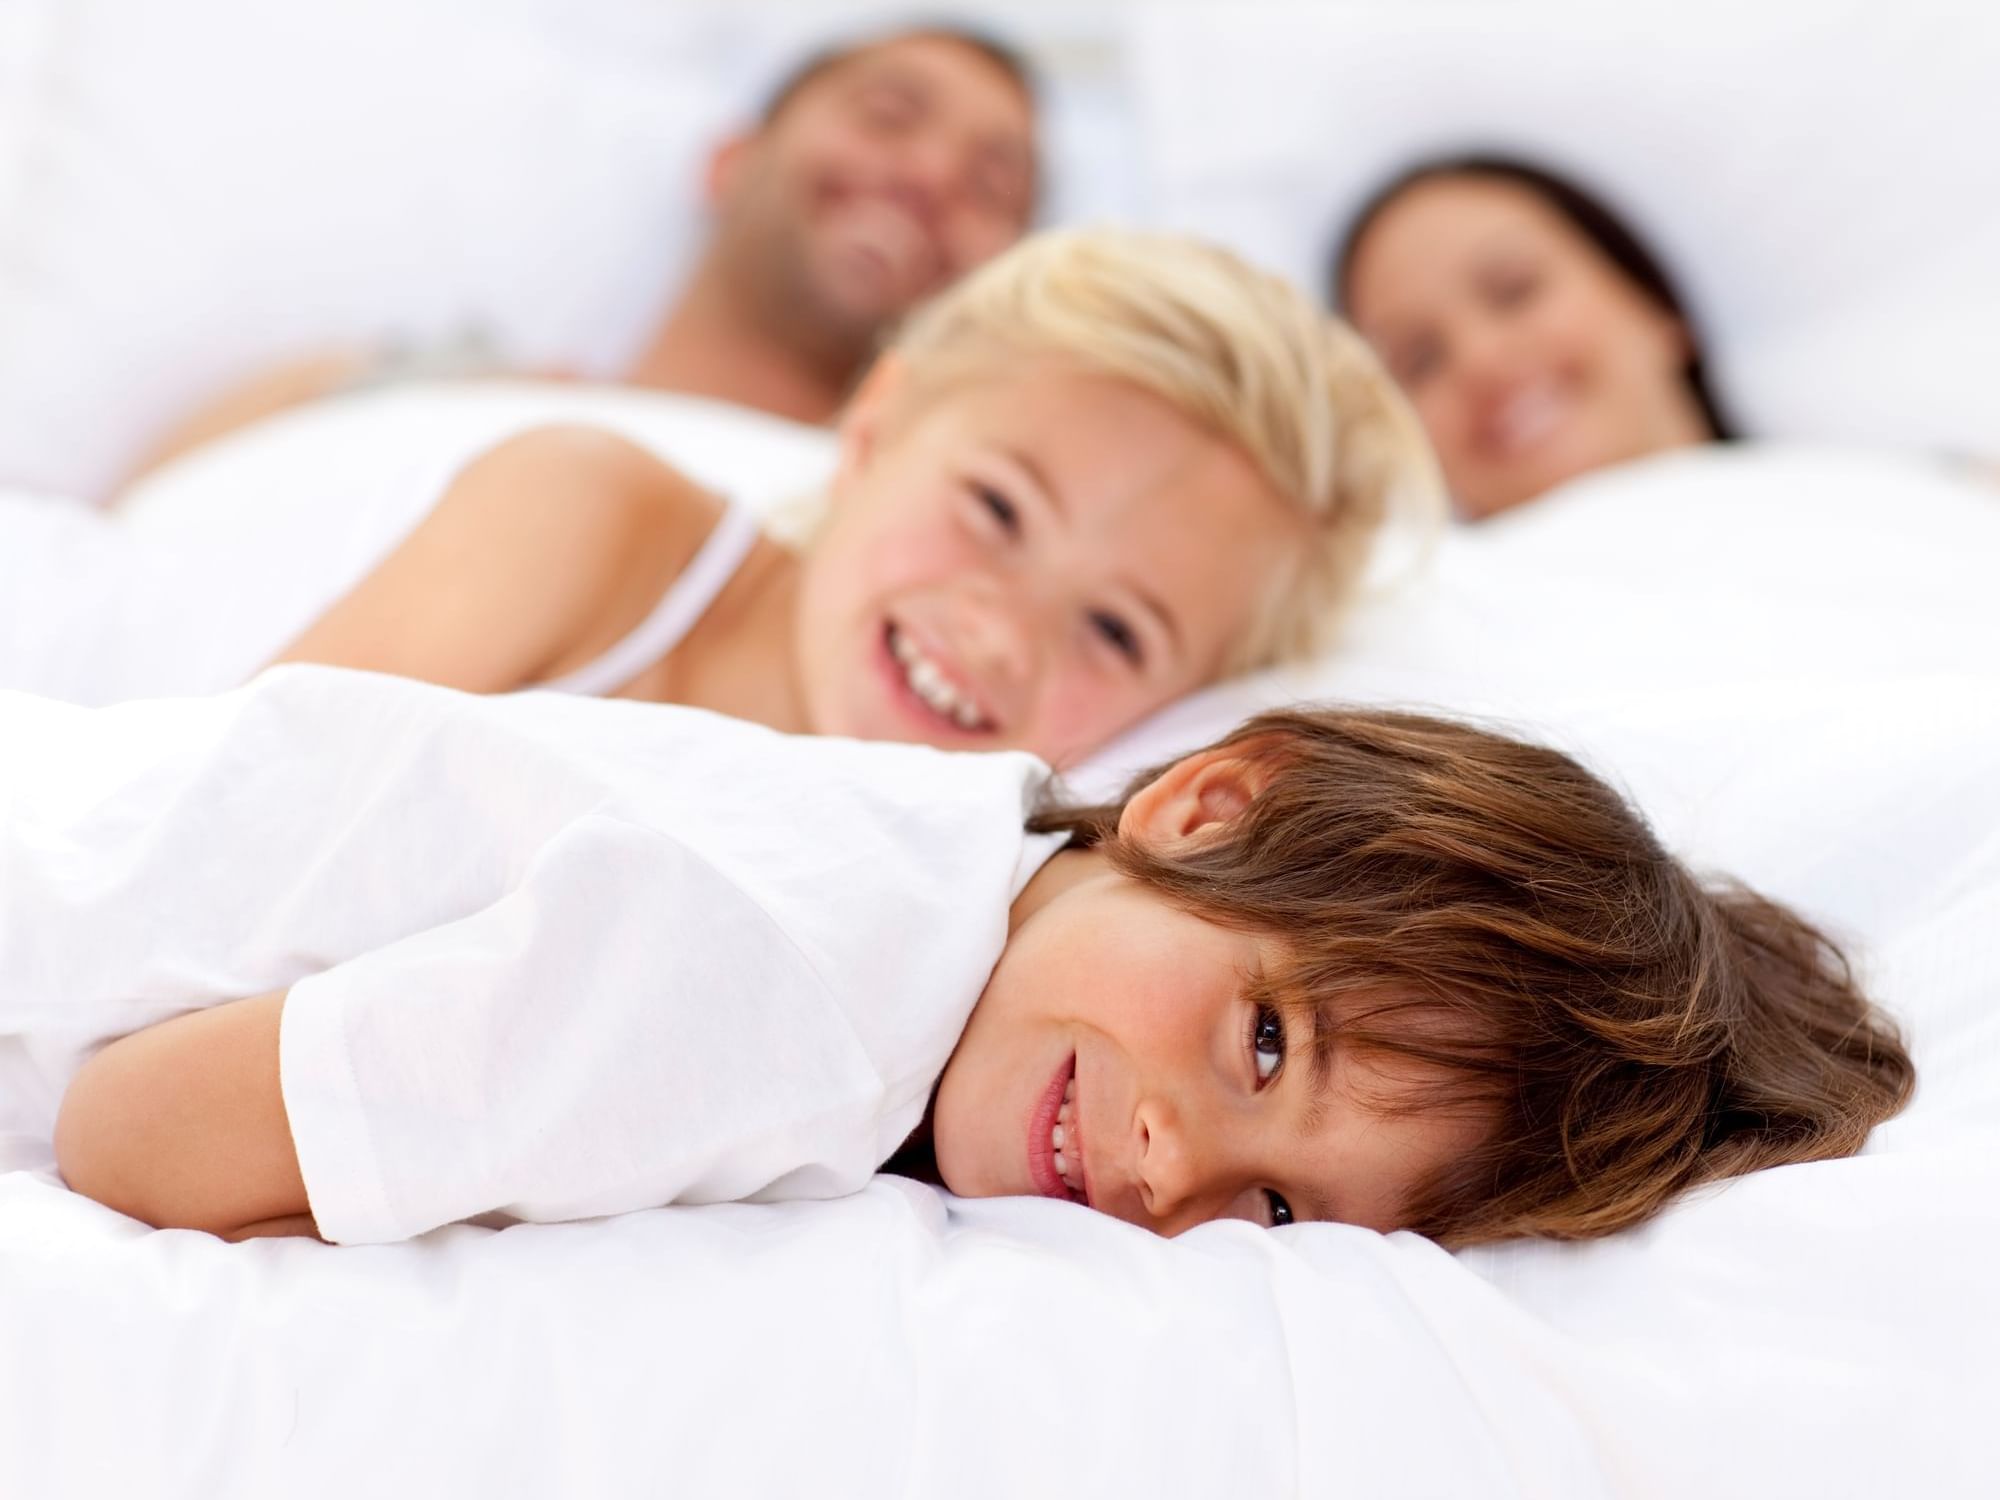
(877, 174)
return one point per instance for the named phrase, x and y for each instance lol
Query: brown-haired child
(417, 956)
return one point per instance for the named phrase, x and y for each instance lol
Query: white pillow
(190, 194)
(229, 183)
(1752, 567)
(1818, 178)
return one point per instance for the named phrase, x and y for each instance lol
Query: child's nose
(997, 642)
(1172, 1173)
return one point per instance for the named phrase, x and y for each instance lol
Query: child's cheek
(1082, 710)
(922, 551)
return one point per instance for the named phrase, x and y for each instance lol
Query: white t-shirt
(548, 958)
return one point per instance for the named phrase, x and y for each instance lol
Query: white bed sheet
(1813, 1331)
(1825, 1330)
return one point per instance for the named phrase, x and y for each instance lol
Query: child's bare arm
(290, 1225)
(541, 544)
(182, 1125)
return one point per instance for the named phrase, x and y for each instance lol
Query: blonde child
(1104, 470)
(384, 956)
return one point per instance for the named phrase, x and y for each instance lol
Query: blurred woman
(1536, 336)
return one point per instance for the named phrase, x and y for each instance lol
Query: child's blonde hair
(1240, 352)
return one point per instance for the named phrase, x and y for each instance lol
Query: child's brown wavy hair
(1490, 908)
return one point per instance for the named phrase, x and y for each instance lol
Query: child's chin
(951, 1175)
(955, 1173)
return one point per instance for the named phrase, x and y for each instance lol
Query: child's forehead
(1094, 440)
(1258, 958)
(1002, 389)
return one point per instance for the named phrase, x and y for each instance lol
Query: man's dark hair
(1006, 58)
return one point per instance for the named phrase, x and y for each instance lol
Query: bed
(1825, 724)
(1788, 653)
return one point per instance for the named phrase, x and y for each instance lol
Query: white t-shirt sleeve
(160, 856)
(624, 1028)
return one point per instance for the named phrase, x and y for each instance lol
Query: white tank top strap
(686, 600)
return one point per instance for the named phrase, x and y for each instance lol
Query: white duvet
(1787, 657)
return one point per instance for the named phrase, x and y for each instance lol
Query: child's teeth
(930, 683)
(1062, 1140)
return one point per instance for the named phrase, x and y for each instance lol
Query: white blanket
(1828, 727)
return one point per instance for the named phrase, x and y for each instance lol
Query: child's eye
(1267, 1042)
(999, 507)
(1281, 1211)
(1123, 638)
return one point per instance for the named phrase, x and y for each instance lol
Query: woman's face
(1529, 355)
(1031, 561)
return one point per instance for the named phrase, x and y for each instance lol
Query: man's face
(882, 180)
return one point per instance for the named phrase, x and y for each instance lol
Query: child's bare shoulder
(579, 493)
(586, 480)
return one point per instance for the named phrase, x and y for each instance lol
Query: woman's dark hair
(1613, 239)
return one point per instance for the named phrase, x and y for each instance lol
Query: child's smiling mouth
(931, 687)
(1055, 1144)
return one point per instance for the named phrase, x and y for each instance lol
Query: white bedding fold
(1818, 1331)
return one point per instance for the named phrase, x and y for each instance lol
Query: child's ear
(1204, 791)
(866, 415)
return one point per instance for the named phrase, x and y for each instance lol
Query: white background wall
(188, 193)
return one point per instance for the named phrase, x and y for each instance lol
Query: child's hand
(183, 1125)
